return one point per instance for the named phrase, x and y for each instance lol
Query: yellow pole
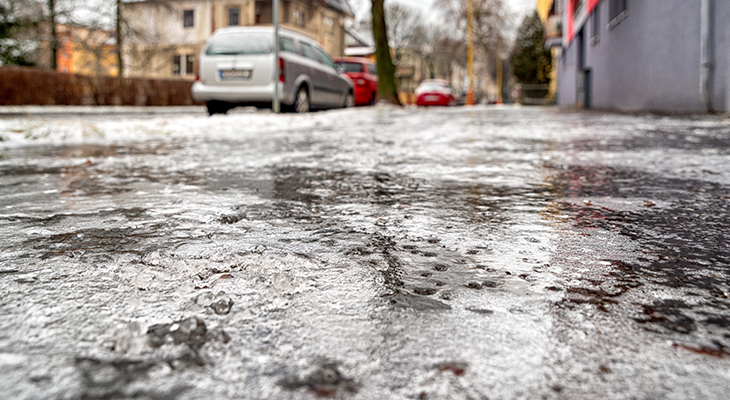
(470, 51)
(499, 71)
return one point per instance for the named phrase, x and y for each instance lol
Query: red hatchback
(435, 92)
(364, 77)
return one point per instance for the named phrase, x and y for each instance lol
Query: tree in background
(387, 88)
(118, 24)
(130, 40)
(531, 61)
(490, 21)
(440, 51)
(148, 44)
(93, 41)
(56, 12)
(54, 44)
(405, 27)
(18, 23)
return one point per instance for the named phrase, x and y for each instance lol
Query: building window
(189, 64)
(617, 12)
(188, 18)
(176, 65)
(299, 18)
(595, 25)
(329, 26)
(234, 14)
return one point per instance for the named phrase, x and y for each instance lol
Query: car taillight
(282, 77)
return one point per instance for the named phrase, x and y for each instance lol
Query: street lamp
(470, 51)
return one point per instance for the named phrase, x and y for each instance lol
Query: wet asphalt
(370, 253)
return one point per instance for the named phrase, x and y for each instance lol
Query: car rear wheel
(216, 107)
(372, 99)
(301, 103)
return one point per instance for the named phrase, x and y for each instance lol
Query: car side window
(326, 59)
(308, 51)
(372, 69)
(287, 44)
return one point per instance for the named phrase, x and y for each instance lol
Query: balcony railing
(553, 31)
(554, 26)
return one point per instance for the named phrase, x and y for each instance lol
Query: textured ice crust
(378, 253)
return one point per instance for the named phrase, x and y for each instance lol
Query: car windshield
(349, 66)
(240, 44)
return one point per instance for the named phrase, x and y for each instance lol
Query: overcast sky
(521, 7)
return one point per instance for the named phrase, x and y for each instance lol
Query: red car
(435, 92)
(364, 77)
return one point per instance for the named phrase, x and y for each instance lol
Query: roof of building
(359, 51)
(340, 5)
(359, 38)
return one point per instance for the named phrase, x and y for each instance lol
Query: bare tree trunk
(120, 62)
(54, 34)
(387, 89)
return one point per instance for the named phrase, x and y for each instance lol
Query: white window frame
(615, 19)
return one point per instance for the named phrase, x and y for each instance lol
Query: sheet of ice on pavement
(478, 252)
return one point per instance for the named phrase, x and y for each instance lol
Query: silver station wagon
(236, 68)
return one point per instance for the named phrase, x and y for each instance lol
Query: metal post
(470, 51)
(275, 17)
(500, 89)
(705, 53)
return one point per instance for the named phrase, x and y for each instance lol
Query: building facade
(86, 51)
(551, 19)
(644, 55)
(165, 36)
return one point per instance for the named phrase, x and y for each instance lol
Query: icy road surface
(379, 253)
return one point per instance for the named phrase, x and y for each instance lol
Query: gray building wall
(651, 59)
(567, 76)
(722, 51)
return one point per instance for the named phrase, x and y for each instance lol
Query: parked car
(435, 92)
(364, 75)
(236, 67)
(461, 99)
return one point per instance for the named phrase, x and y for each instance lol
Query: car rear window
(240, 44)
(308, 51)
(433, 86)
(349, 66)
(325, 58)
(287, 44)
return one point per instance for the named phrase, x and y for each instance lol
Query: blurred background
(667, 55)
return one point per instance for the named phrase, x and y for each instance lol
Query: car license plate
(235, 74)
(432, 97)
